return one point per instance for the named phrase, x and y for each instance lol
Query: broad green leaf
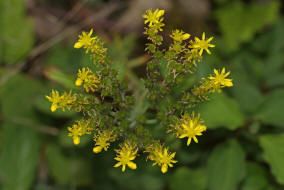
(67, 170)
(271, 112)
(19, 156)
(16, 34)
(67, 58)
(18, 96)
(275, 80)
(248, 96)
(137, 180)
(239, 22)
(226, 166)
(273, 66)
(221, 111)
(185, 178)
(276, 44)
(60, 77)
(58, 164)
(273, 152)
(256, 179)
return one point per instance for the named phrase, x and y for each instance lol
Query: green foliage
(19, 156)
(185, 177)
(273, 152)
(239, 22)
(271, 112)
(221, 105)
(226, 166)
(16, 32)
(60, 77)
(73, 171)
(248, 97)
(243, 148)
(20, 142)
(257, 177)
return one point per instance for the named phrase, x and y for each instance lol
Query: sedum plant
(107, 103)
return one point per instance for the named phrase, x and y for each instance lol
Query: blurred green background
(244, 146)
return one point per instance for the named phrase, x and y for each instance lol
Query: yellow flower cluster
(86, 41)
(64, 101)
(88, 79)
(179, 35)
(125, 155)
(161, 156)
(102, 140)
(202, 44)
(107, 110)
(219, 80)
(153, 17)
(190, 127)
(82, 127)
(213, 83)
(92, 44)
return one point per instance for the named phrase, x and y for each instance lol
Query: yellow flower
(54, 99)
(161, 157)
(153, 17)
(202, 44)
(125, 155)
(67, 99)
(191, 127)
(88, 79)
(81, 127)
(85, 40)
(75, 133)
(60, 101)
(220, 78)
(179, 35)
(103, 140)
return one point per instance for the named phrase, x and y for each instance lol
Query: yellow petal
(132, 165)
(201, 51)
(97, 149)
(53, 107)
(78, 82)
(185, 36)
(76, 140)
(160, 13)
(188, 141)
(117, 165)
(164, 168)
(78, 45)
(195, 139)
(229, 83)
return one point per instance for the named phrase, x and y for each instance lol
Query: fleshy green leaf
(185, 178)
(273, 151)
(226, 166)
(221, 111)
